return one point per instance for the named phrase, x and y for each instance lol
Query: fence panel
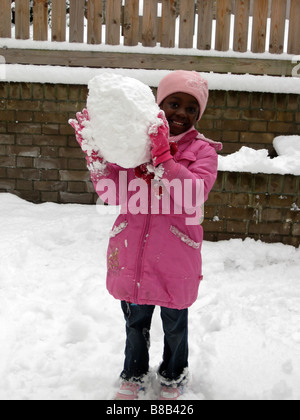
(22, 17)
(5, 19)
(113, 22)
(259, 29)
(40, 20)
(294, 36)
(131, 23)
(59, 20)
(187, 23)
(168, 23)
(77, 9)
(241, 26)
(149, 31)
(95, 16)
(223, 24)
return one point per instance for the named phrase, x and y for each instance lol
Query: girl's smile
(182, 111)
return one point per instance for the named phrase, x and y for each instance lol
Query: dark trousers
(175, 358)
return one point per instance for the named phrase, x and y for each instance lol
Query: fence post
(149, 31)
(168, 23)
(113, 21)
(131, 23)
(294, 38)
(77, 8)
(40, 20)
(259, 30)
(223, 24)
(278, 16)
(205, 13)
(95, 16)
(5, 19)
(59, 20)
(187, 23)
(241, 26)
(22, 19)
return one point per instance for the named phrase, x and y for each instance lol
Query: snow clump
(121, 110)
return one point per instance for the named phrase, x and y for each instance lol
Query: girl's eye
(173, 105)
(192, 111)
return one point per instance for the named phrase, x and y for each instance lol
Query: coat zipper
(141, 254)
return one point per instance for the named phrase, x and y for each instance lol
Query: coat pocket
(184, 238)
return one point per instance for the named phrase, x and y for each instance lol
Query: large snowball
(121, 110)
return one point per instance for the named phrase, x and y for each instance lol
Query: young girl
(155, 259)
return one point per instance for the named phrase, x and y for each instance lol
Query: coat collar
(182, 137)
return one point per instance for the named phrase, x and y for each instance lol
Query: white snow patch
(287, 145)
(82, 75)
(258, 161)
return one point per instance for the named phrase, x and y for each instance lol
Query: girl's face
(182, 111)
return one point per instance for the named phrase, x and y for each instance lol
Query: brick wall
(259, 206)
(250, 119)
(41, 161)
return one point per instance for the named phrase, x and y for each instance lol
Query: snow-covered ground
(62, 335)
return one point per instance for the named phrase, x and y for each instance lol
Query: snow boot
(129, 391)
(170, 393)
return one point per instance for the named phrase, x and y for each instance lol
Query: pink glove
(78, 125)
(159, 136)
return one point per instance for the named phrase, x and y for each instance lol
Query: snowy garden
(61, 333)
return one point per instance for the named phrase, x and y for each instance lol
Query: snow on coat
(155, 259)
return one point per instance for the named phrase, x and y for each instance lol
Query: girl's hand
(95, 162)
(79, 124)
(159, 136)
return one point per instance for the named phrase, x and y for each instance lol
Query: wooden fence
(153, 23)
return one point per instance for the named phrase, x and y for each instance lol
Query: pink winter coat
(155, 259)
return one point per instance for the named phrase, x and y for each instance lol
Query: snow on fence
(257, 26)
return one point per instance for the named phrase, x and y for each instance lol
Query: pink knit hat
(187, 82)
